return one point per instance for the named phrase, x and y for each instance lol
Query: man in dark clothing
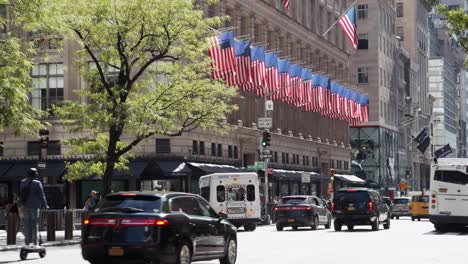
(33, 198)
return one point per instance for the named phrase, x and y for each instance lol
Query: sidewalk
(59, 240)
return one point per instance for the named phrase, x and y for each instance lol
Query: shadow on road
(461, 231)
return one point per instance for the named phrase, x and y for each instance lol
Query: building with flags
(308, 134)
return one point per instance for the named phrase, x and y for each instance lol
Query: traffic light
(266, 139)
(332, 175)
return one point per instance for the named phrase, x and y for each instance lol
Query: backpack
(24, 193)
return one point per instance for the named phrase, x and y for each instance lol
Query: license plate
(291, 220)
(350, 208)
(116, 251)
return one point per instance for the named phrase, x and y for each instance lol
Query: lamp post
(44, 142)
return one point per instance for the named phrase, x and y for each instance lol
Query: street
(405, 242)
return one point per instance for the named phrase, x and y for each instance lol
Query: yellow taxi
(419, 207)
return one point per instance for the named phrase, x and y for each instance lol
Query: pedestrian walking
(32, 199)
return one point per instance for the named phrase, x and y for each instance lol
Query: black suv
(156, 227)
(359, 206)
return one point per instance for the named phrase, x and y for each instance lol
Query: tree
(457, 22)
(16, 55)
(148, 74)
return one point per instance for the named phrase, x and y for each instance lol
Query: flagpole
(345, 12)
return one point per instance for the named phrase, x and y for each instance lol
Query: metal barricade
(77, 218)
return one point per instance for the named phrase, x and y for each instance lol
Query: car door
(217, 230)
(198, 226)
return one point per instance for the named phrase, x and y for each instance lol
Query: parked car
(400, 207)
(301, 211)
(419, 207)
(359, 206)
(155, 227)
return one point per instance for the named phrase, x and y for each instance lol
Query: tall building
(301, 141)
(412, 27)
(378, 69)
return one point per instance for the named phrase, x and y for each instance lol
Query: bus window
(236, 193)
(454, 177)
(220, 193)
(250, 193)
(205, 193)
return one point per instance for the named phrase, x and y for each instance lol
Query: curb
(46, 244)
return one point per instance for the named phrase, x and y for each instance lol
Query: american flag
(316, 79)
(285, 79)
(286, 4)
(334, 100)
(272, 74)
(348, 24)
(258, 69)
(306, 87)
(365, 108)
(222, 55)
(323, 94)
(295, 71)
(244, 74)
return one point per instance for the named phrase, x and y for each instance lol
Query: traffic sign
(260, 164)
(269, 105)
(305, 177)
(403, 185)
(250, 167)
(265, 122)
(41, 165)
(266, 156)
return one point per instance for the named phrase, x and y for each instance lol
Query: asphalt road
(405, 242)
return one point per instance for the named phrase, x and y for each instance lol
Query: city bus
(448, 201)
(236, 195)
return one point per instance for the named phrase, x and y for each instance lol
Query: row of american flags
(253, 69)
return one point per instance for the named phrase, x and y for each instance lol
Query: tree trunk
(110, 163)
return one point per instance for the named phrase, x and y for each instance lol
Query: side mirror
(222, 216)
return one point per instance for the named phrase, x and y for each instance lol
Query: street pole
(265, 166)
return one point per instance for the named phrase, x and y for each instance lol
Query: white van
(235, 194)
(448, 196)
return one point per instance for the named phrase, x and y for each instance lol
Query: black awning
(213, 168)
(19, 170)
(135, 168)
(53, 169)
(159, 170)
(4, 167)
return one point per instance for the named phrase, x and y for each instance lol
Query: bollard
(50, 226)
(12, 228)
(68, 224)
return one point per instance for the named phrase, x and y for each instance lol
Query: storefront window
(3, 195)
(284, 188)
(295, 188)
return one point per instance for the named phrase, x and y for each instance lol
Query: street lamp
(44, 142)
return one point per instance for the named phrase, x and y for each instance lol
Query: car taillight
(333, 207)
(371, 207)
(308, 208)
(143, 222)
(100, 221)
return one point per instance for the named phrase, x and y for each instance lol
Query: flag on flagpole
(316, 79)
(348, 24)
(222, 54)
(272, 74)
(258, 69)
(334, 100)
(286, 4)
(306, 87)
(243, 75)
(443, 151)
(285, 79)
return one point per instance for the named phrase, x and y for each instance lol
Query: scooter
(25, 250)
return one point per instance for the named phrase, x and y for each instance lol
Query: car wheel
(393, 217)
(247, 227)
(412, 218)
(253, 227)
(397, 217)
(328, 225)
(387, 223)
(419, 219)
(184, 255)
(231, 253)
(350, 227)
(294, 228)
(375, 224)
(315, 224)
(337, 225)
(279, 228)
(440, 227)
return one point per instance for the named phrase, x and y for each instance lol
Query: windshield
(293, 200)
(455, 177)
(354, 196)
(420, 198)
(150, 204)
(401, 201)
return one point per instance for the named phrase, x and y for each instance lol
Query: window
(47, 81)
(163, 145)
(275, 156)
(250, 193)
(195, 147)
(363, 77)
(236, 152)
(400, 33)
(454, 177)
(220, 193)
(338, 164)
(202, 148)
(206, 209)
(220, 150)
(1, 149)
(287, 158)
(186, 205)
(399, 9)
(205, 193)
(213, 149)
(235, 193)
(304, 160)
(229, 151)
(332, 163)
(283, 158)
(362, 11)
(243, 25)
(363, 41)
(53, 148)
(294, 159)
(346, 165)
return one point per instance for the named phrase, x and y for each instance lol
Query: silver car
(400, 207)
